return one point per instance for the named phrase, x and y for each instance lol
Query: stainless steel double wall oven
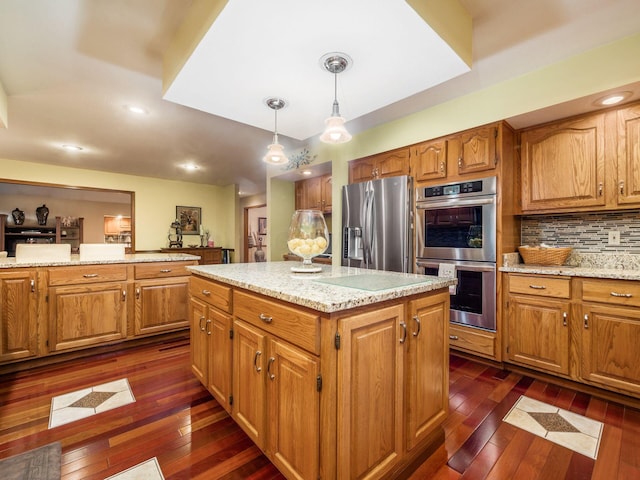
(456, 224)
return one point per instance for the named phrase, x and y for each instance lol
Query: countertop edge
(568, 271)
(129, 258)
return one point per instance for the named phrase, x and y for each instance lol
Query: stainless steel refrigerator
(377, 226)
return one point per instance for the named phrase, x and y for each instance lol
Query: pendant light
(335, 131)
(275, 152)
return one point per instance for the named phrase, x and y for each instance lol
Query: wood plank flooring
(176, 420)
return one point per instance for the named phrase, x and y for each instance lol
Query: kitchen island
(53, 307)
(335, 375)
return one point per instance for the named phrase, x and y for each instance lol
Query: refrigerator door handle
(367, 233)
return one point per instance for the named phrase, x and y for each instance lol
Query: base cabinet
(161, 305)
(356, 394)
(18, 322)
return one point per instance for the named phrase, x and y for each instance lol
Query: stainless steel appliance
(456, 224)
(377, 227)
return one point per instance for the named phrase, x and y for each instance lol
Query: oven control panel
(483, 186)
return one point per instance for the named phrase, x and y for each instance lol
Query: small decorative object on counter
(544, 255)
(41, 214)
(18, 216)
(308, 238)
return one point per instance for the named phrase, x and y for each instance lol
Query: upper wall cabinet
(387, 164)
(587, 163)
(314, 194)
(563, 165)
(474, 150)
(429, 160)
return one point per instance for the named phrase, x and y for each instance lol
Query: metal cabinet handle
(460, 161)
(404, 332)
(90, 275)
(623, 295)
(453, 337)
(269, 363)
(265, 318)
(206, 292)
(208, 325)
(33, 286)
(417, 320)
(564, 319)
(165, 270)
(124, 295)
(621, 186)
(138, 292)
(442, 167)
(538, 287)
(255, 361)
(600, 189)
(200, 323)
(586, 321)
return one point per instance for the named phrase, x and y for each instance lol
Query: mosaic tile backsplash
(584, 232)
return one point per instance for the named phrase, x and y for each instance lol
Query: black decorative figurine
(42, 213)
(18, 216)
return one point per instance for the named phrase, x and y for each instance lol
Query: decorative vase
(308, 238)
(259, 255)
(18, 216)
(41, 214)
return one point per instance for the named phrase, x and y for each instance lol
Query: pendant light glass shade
(335, 131)
(275, 152)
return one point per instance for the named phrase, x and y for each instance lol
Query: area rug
(41, 463)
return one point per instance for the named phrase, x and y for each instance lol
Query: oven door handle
(464, 267)
(463, 202)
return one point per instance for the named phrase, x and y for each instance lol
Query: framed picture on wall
(190, 219)
(262, 225)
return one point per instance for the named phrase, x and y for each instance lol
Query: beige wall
(155, 199)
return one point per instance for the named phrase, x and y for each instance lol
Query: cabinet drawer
(211, 292)
(87, 274)
(542, 285)
(618, 292)
(290, 324)
(162, 269)
(472, 340)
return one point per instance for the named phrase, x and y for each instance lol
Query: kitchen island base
(359, 392)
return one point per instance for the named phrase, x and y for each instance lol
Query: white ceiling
(69, 67)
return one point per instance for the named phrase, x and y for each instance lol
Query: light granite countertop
(326, 291)
(75, 260)
(622, 266)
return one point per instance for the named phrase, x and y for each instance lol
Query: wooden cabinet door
(427, 394)
(628, 187)
(220, 357)
(313, 200)
(429, 161)
(294, 410)
(539, 333)
(161, 305)
(610, 354)
(563, 165)
(199, 333)
(475, 150)
(392, 164)
(362, 170)
(326, 192)
(18, 306)
(300, 195)
(370, 393)
(83, 315)
(249, 387)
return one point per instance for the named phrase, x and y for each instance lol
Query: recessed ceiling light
(190, 167)
(137, 110)
(306, 172)
(613, 98)
(71, 148)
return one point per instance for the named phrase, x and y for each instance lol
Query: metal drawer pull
(200, 323)
(404, 332)
(453, 337)
(417, 320)
(255, 362)
(564, 319)
(586, 321)
(208, 325)
(206, 292)
(623, 295)
(269, 363)
(266, 318)
(90, 275)
(165, 270)
(538, 287)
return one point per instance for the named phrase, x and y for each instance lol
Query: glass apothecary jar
(308, 238)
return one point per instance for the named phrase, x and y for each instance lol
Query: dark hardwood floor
(175, 420)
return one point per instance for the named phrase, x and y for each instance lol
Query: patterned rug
(38, 464)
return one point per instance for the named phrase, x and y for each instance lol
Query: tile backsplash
(586, 232)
